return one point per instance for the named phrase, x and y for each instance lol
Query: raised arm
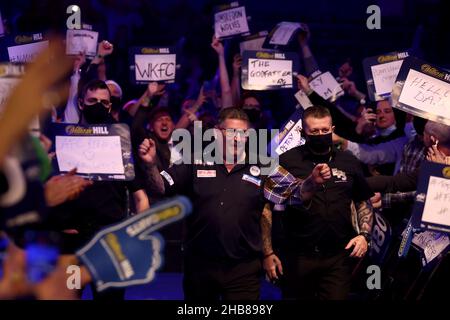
(227, 99)
(236, 81)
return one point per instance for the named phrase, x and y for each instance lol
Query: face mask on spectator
(320, 143)
(96, 113)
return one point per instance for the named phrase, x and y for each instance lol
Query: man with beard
(318, 184)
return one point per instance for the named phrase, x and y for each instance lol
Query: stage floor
(168, 286)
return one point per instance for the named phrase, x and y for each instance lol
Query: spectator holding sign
(82, 74)
(104, 202)
(345, 126)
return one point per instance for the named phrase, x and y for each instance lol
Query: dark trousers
(207, 280)
(310, 277)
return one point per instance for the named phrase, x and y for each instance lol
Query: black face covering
(319, 144)
(96, 114)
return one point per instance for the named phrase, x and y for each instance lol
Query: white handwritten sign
(426, 93)
(81, 41)
(283, 33)
(292, 139)
(326, 86)
(230, 22)
(90, 155)
(267, 72)
(6, 86)
(155, 67)
(384, 76)
(26, 52)
(437, 203)
(432, 243)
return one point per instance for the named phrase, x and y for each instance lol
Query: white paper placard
(326, 86)
(269, 72)
(292, 139)
(230, 22)
(26, 52)
(81, 41)
(283, 33)
(6, 86)
(384, 76)
(437, 203)
(99, 155)
(252, 45)
(426, 93)
(432, 243)
(155, 67)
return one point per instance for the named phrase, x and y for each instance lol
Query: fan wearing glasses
(223, 242)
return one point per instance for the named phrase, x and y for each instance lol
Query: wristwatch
(366, 236)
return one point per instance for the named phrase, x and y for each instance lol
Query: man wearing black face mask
(318, 184)
(104, 202)
(95, 103)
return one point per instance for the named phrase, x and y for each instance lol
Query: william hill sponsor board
(83, 131)
(434, 72)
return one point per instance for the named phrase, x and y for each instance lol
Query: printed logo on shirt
(167, 177)
(255, 171)
(340, 175)
(206, 173)
(251, 179)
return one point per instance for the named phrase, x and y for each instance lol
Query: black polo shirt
(324, 223)
(227, 208)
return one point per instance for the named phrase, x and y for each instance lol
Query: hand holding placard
(217, 46)
(326, 86)
(153, 64)
(230, 22)
(78, 41)
(381, 72)
(264, 70)
(105, 48)
(303, 84)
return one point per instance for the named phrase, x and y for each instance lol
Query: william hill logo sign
(432, 71)
(77, 130)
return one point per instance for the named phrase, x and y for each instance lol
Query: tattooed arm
(365, 216)
(365, 219)
(155, 181)
(266, 229)
(271, 262)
